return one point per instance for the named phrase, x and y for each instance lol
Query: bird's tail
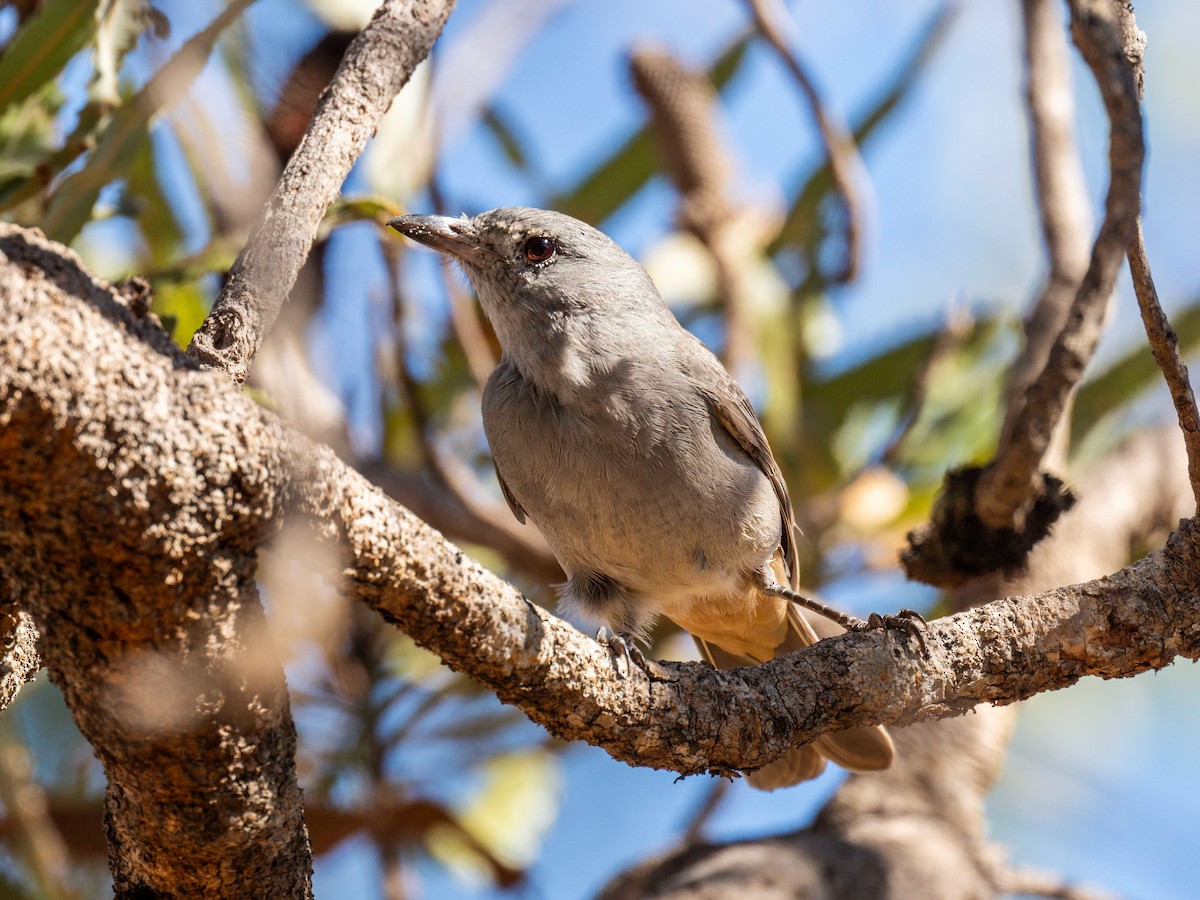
(860, 749)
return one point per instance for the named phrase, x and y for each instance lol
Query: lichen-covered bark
(130, 540)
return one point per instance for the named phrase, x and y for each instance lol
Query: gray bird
(638, 456)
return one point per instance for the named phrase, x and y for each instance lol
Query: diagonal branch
(1010, 484)
(988, 519)
(376, 65)
(846, 167)
(1165, 346)
(1060, 194)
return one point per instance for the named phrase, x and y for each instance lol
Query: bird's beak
(453, 236)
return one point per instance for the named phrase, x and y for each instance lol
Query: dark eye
(538, 248)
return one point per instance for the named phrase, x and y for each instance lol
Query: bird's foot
(911, 622)
(621, 645)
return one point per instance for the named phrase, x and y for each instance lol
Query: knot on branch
(224, 342)
(956, 545)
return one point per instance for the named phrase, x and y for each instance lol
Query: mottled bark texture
(128, 536)
(59, 350)
(377, 64)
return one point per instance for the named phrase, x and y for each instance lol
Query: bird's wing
(513, 504)
(731, 408)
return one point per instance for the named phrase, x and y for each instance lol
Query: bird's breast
(636, 484)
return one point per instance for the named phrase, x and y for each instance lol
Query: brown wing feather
(732, 409)
(517, 509)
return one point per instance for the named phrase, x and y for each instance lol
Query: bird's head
(535, 269)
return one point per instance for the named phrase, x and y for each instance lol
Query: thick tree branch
(125, 528)
(687, 717)
(20, 658)
(376, 65)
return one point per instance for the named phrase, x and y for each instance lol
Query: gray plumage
(637, 455)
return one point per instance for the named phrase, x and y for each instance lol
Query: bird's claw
(911, 622)
(621, 646)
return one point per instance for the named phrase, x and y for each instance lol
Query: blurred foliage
(382, 723)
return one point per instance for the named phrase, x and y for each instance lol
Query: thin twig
(1163, 342)
(1165, 347)
(846, 167)
(377, 64)
(699, 819)
(1011, 484)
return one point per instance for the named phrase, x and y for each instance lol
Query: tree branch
(686, 717)
(846, 167)
(124, 526)
(988, 519)
(376, 65)
(682, 104)
(1165, 347)
(1061, 196)
(1010, 484)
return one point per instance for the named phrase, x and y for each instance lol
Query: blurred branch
(1038, 883)
(682, 104)
(40, 842)
(376, 65)
(846, 166)
(20, 658)
(402, 821)
(989, 519)
(1060, 194)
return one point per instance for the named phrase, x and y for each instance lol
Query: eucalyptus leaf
(42, 46)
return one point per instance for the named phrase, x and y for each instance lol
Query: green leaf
(27, 133)
(71, 203)
(43, 46)
(156, 220)
(357, 209)
(606, 188)
(40, 172)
